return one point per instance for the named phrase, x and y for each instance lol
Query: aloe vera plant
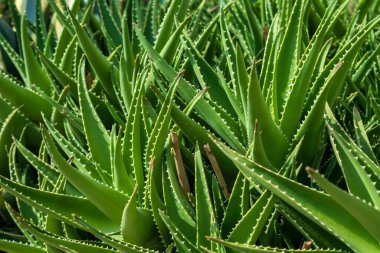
(189, 126)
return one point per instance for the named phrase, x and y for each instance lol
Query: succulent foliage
(189, 126)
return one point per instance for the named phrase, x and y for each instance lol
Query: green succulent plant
(186, 126)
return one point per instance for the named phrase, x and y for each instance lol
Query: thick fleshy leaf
(34, 73)
(97, 136)
(315, 205)
(137, 225)
(95, 191)
(257, 249)
(188, 92)
(61, 242)
(360, 172)
(30, 103)
(366, 214)
(60, 206)
(206, 223)
(119, 245)
(98, 61)
(18, 247)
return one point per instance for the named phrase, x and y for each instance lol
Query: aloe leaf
(288, 55)
(234, 210)
(346, 54)
(361, 71)
(7, 108)
(204, 36)
(137, 224)
(190, 106)
(322, 58)
(363, 7)
(119, 245)
(242, 80)
(132, 150)
(180, 239)
(14, 219)
(230, 50)
(313, 122)
(18, 247)
(61, 16)
(10, 236)
(34, 73)
(179, 164)
(160, 130)
(375, 107)
(97, 136)
(40, 26)
(243, 35)
(127, 47)
(207, 74)
(176, 209)
(68, 114)
(315, 205)
(14, 56)
(60, 206)
(186, 91)
(148, 24)
(366, 214)
(258, 111)
(152, 21)
(122, 180)
(16, 19)
(157, 204)
(195, 131)
(80, 159)
(57, 118)
(361, 136)
(31, 104)
(358, 177)
(25, 210)
(300, 84)
(218, 201)
(257, 249)
(310, 229)
(256, 217)
(170, 49)
(12, 126)
(196, 19)
(127, 99)
(268, 50)
(218, 173)
(61, 242)
(60, 75)
(254, 25)
(257, 152)
(98, 61)
(95, 191)
(206, 223)
(125, 84)
(214, 81)
(53, 225)
(109, 26)
(236, 105)
(50, 43)
(45, 169)
(176, 7)
(177, 192)
(62, 43)
(66, 63)
(268, 78)
(65, 42)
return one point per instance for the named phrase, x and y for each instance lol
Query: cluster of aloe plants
(190, 126)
